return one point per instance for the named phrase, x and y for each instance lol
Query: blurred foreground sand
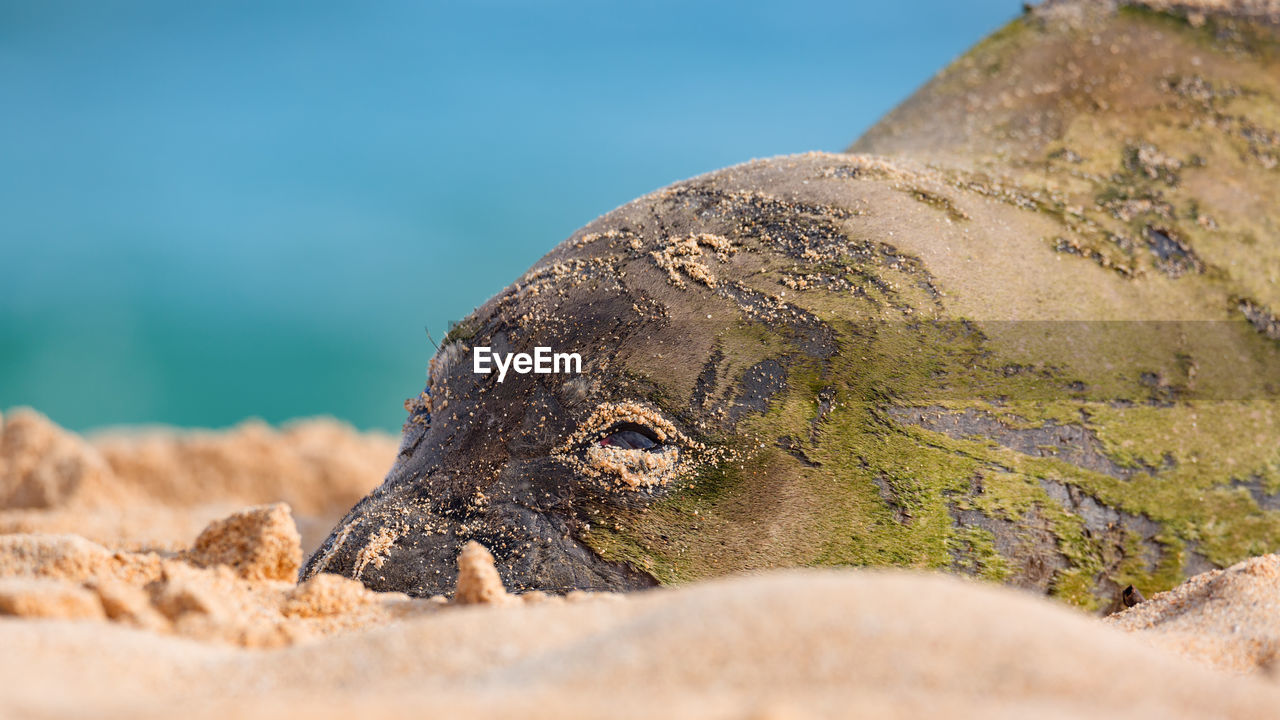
(115, 603)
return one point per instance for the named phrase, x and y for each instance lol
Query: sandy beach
(143, 575)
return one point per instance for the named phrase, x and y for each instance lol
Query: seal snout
(395, 541)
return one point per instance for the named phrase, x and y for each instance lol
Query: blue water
(216, 210)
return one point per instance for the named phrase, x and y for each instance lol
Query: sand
(137, 620)
(163, 486)
(1226, 618)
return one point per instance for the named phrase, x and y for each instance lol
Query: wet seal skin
(1030, 337)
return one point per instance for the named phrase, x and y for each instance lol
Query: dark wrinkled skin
(534, 505)
(799, 373)
(528, 520)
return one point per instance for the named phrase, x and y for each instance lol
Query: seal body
(1039, 348)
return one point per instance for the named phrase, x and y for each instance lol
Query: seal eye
(630, 436)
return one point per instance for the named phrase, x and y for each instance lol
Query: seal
(1031, 339)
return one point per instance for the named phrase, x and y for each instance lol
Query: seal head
(1030, 347)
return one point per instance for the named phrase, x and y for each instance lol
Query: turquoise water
(211, 211)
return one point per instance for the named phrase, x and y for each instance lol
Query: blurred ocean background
(218, 210)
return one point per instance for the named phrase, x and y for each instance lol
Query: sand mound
(313, 465)
(163, 486)
(794, 644)
(235, 585)
(69, 557)
(118, 628)
(260, 543)
(478, 581)
(43, 467)
(41, 598)
(325, 596)
(1228, 618)
(213, 624)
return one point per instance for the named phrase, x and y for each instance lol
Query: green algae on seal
(1036, 344)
